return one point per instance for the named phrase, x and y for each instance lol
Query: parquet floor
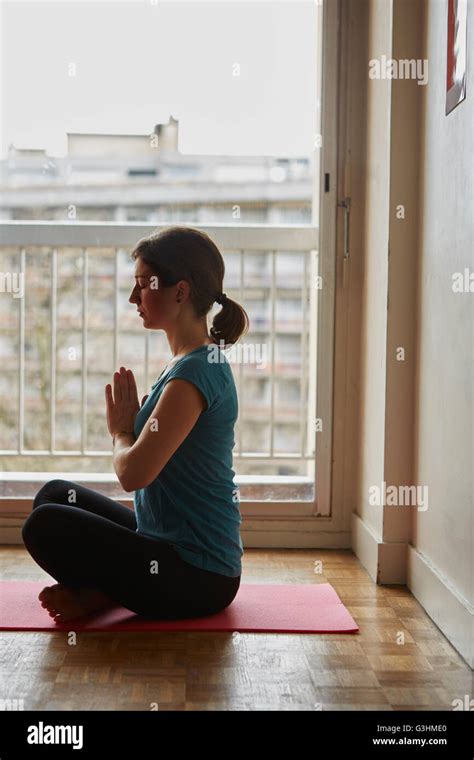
(400, 660)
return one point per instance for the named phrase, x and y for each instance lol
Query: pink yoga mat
(264, 607)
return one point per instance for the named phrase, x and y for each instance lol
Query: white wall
(444, 424)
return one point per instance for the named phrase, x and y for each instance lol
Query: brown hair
(186, 253)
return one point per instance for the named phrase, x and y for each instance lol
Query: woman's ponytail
(230, 323)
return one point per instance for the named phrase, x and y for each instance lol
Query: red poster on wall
(456, 53)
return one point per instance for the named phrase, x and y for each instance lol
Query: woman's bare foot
(64, 603)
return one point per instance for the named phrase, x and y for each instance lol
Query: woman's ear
(182, 290)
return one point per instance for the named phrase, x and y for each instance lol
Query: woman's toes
(45, 594)
(46, 602)
(50, 598)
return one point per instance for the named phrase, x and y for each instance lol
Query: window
(230, 148)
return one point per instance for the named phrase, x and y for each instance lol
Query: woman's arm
(138, 463)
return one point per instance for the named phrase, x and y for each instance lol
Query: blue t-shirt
(193, 503)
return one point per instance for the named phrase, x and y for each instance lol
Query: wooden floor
(372, 670)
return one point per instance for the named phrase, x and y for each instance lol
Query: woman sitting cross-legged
(177, 553)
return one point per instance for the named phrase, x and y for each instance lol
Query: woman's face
(156, 306)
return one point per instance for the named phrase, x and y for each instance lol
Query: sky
(136, 63)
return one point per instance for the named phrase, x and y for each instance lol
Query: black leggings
(93, 543)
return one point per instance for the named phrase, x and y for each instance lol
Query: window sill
(270, 496)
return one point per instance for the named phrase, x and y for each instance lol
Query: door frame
(325, 198)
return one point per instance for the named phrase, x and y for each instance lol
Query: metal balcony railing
(271, 271)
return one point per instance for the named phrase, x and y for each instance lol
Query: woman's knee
(51, 491)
